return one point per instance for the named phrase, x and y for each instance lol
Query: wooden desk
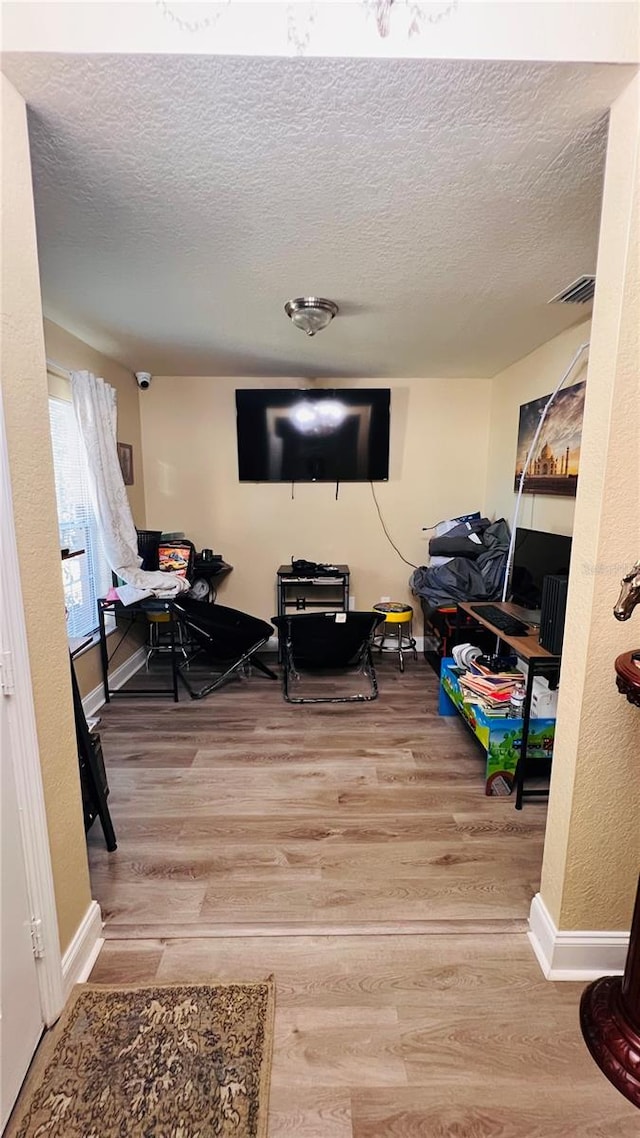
(527, 647)
(540, 663)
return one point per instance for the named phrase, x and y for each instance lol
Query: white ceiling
(182, 200)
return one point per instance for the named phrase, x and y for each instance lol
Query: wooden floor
(349, 850)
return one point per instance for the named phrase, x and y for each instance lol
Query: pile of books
(492, 691)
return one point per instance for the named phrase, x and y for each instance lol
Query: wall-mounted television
(313, 435)
(537, 555)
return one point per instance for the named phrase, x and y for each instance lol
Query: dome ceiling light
(311, 313)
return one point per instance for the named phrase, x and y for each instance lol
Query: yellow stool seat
(396, 617)
(401, 616)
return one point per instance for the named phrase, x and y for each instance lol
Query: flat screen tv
(537, 555)
(313, 435)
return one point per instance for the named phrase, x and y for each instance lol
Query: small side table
(301, 591)
(610, 1007)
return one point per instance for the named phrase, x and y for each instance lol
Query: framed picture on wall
(554, 466)
(125, 456)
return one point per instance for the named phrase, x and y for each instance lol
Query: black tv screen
(537, 555)
(313, 435)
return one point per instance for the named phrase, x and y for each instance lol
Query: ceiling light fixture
(311, 313)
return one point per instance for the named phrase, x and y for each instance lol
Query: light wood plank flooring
(349, 850)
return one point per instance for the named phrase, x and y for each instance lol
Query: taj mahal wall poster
(554, 466)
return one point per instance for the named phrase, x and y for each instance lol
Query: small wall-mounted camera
(143, 379)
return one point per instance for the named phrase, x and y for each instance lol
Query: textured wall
(439, 437)
(592, 848)
(69, 352)
(535, 375)
(24, 394)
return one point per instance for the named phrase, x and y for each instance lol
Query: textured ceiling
(181, 201)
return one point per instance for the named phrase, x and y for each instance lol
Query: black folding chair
(318, 642)
(224, 638)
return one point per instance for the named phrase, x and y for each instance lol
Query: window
(87, 577)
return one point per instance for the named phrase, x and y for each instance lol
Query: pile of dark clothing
(475, 567)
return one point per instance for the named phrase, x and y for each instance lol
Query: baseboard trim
(83, 951)
(94, 700)
(577, 955)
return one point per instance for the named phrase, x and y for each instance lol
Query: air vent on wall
(580, 292)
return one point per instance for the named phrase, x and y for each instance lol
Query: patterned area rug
(170, 1061)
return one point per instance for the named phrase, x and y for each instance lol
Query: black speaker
(552, 613)
(89, 805)
(148, 542)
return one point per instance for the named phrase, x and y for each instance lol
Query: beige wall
(24, 395)
(439, 437)
(592, 848)
(74, 355)
(535, 375)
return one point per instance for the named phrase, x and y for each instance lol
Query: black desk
(212, 572)
(78, 643)
(130, 612)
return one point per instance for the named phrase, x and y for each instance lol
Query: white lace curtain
(94, 403)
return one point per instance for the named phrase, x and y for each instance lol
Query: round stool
(398, 627)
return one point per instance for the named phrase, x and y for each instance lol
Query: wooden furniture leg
(610, 1007)
(610, 1020)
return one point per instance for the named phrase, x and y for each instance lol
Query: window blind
(87, 577)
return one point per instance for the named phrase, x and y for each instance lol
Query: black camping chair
(225, 638)
(330, 640)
